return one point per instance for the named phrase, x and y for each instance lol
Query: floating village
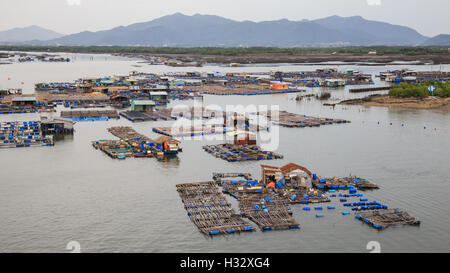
(267, 202)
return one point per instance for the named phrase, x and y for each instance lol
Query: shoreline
(427, 103)
(242, 56)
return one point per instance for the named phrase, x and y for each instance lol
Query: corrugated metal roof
(24, 99)
(143, 102)
(158, 93)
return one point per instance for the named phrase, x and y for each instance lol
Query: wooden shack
(167, 144)
(270, 174)
(142, 105)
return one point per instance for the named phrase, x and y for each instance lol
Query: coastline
(410, 103)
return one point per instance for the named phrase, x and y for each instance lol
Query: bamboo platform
(219, 176)
(343, 183)
(129, 135)
(261, 205)
(87, 114)
(287, 119)
(233, 153)
(381, 219)
(138, 116)
(241, 89)
(6, 109)
(114, 148)
(209, 210)
(269, 213)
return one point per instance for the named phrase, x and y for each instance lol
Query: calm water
(52, 195)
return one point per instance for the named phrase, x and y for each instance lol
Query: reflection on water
(52, 195)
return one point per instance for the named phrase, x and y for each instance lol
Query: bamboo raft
(87, 114)
(209, 210)
(343, 183)
(242, 89)
(6, 109)
(261, 205)
(269, 213)
(381, 219)
(137, 116)
(287, 119)
(233, 152)
(218, 176)
(116, 149)
(129, 135)
(131, 144)
(186, 131)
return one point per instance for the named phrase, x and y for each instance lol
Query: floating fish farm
(23, 134)
(129, 135)
(131, 144)
(90, 115)
(209, 210)
(245, 90)
(287, 119)
(136, 145)
(342, 183)
(116, 149)
(137, 116)
(233, 152)
(381, 219)
(7, 109)
(259, 204)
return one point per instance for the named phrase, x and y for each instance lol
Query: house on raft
(334, 83)
(167, 144)
(240, 137)
(142, 105)
(23, 101)
(158, 96)
(289, 174)
(56, 126)
(121, 100)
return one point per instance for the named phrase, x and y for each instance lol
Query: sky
(428, 17)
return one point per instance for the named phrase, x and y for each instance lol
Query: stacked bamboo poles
(209, 210)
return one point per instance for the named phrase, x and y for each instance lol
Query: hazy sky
(429, 17)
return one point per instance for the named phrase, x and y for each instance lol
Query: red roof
(269, 167)
(291, 166)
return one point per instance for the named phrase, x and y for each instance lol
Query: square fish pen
(23, 134)
(261, 205)
(209, 210)
(90, 115)
(137, 116)
(233, 152)
(269, 212)
(381, 219)
(287, 119)
(343, 183)
(114, 148)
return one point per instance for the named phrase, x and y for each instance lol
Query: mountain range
(179, 30)
(28, 34)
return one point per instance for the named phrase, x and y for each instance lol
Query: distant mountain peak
(33, 32)
(182, 30)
